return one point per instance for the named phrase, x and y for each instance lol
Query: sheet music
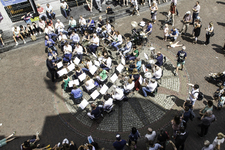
(94, 55)
(82, 77)
(95, 94)
(140, 80)
(59, 65)
(114, 78)
(93, 69)
(96, 63)
(70, 84)
(71, 67)
(120, 68)
(62, 72)
(146, 56)
(76, 61)
(151, 61)
(104, 89)
(83, 104)
(123, 60)
(76, 82)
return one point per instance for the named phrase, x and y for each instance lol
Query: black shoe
(199, 135)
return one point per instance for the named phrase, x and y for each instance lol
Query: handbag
(212, 33)
(33, 37)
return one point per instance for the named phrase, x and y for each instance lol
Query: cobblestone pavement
(30, 102)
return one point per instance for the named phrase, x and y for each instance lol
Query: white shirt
(59, 25)
(118, 95)
(108, 103)
(217, 142)
(151, 86)
(197, 8)
(49, 9)
(18, 28)
(89, 64)
(82, 21)
(90, 84)
(129, 86)
(158, 73)
(75, 37)
(166, 31)
(109, 62)
(208, 148)
(151, 137)
(194, 93)
(175, 2)
(49, 30)
(63, 5)
(120, 39)
(209, 29)
(108, 27)
(79, 49)
(62, 37)
(95, 40)
(67, 49)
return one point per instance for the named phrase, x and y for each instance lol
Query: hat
(220, 135)
(38, 5)
(118, 137)
(206, 143)
(135, 71)
(58, 20)
(183, 47)
(188, 12)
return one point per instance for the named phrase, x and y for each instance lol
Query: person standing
(154, 9)
(181, 57)
(181, 138)
(209, 33)
(99, 4)
(166, 32)
(119, 144)
(207, 119)
(135, 5)
(207, 145)
(197, 30)
(172, 13)
(196, 10)
(194, 93)
(134, 135)
(65, 9)
(51, 68)
(186, 21)
(150, 136)
(218, 140)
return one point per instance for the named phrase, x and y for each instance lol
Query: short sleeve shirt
(156, 147)
(136, 51)
(63, 5)
(119, 145)
(103, 75)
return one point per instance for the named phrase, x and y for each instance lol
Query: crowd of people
(87, 47)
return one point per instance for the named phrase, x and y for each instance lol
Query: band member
(127, 47)
(107, 29)
(94, 43)
(83, 24)
(99, 25)
(85, 39)
(118, 40)
(91, 24)
(111, 34)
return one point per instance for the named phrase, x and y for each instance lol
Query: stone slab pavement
(26, 92)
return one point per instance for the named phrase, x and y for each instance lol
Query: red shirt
(172, 9)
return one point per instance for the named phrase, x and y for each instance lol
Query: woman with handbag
(209, 33)
(153, 10)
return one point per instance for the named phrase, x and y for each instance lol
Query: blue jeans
(67, 57)
(85, 69)
(116, 44)
(93, 48)
(195, 15)
(145, 90)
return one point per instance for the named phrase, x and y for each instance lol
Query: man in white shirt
(88, 65)
(59, 26)
(207, 145)
(107, 30)
(67, 49)
(150, 136)
(50, 32)
(118, 94)
(158, 73)
(194, 93)
(196, 10)
(62, 39)
(78, 51)
(83, 24)
(49, 11)
(150, 86)
(65, 9)
(94, 43)
(128, 86)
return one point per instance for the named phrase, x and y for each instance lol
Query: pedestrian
(166, 32)
(119, 144)
(181, 138)
(99, 5)
(207, 119)
(196, 10)
(193, 93)
(186, 21)
(133, 137)
(209, 33)
(176, 124)
(162, 138)
(175, 3)
(89, 4)
(221, 101)
(154, 146)
(209, 106)
(171, 13)
(151, 135)
(153, 9)
(197, 30)
(1, 41)
(218, 140)
(135, 5)
(207, 145)
(65, 10)
(181, 57)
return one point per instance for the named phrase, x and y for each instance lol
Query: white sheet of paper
(71, 84)
(62, 72)
(104, 89)
(59, 65)
(140, 80)
(94, 55)
(146, 56)
(71, 67)
(114, 78)
(151, 61)
(76, 61)
(83, 104)
(144, 68)
(120, 68)
(95, 94)
(123, 60)
(96, 63)
(152, 48)
(82, 76)
(76, 82)
(93, 69)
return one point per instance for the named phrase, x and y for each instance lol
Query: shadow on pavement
(220, 2)
(218, 49)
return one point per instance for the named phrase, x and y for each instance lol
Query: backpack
(200, 95)
(181, 57)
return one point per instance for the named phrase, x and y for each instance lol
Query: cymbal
(134, 24)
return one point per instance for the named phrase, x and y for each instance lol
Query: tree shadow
(218, 49)
(220, 2)
(221, 24)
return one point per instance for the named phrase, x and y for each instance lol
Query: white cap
(188, 12)
(183, 47)
(50, 57)
(58, 20)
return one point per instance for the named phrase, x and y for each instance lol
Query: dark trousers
(204, 129)
(131, 67)
(93, 48)
(195, 15)
(207, 39)
(104, 67)
(53, 75)
(80, 56)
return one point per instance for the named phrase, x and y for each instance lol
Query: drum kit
(138, 35)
